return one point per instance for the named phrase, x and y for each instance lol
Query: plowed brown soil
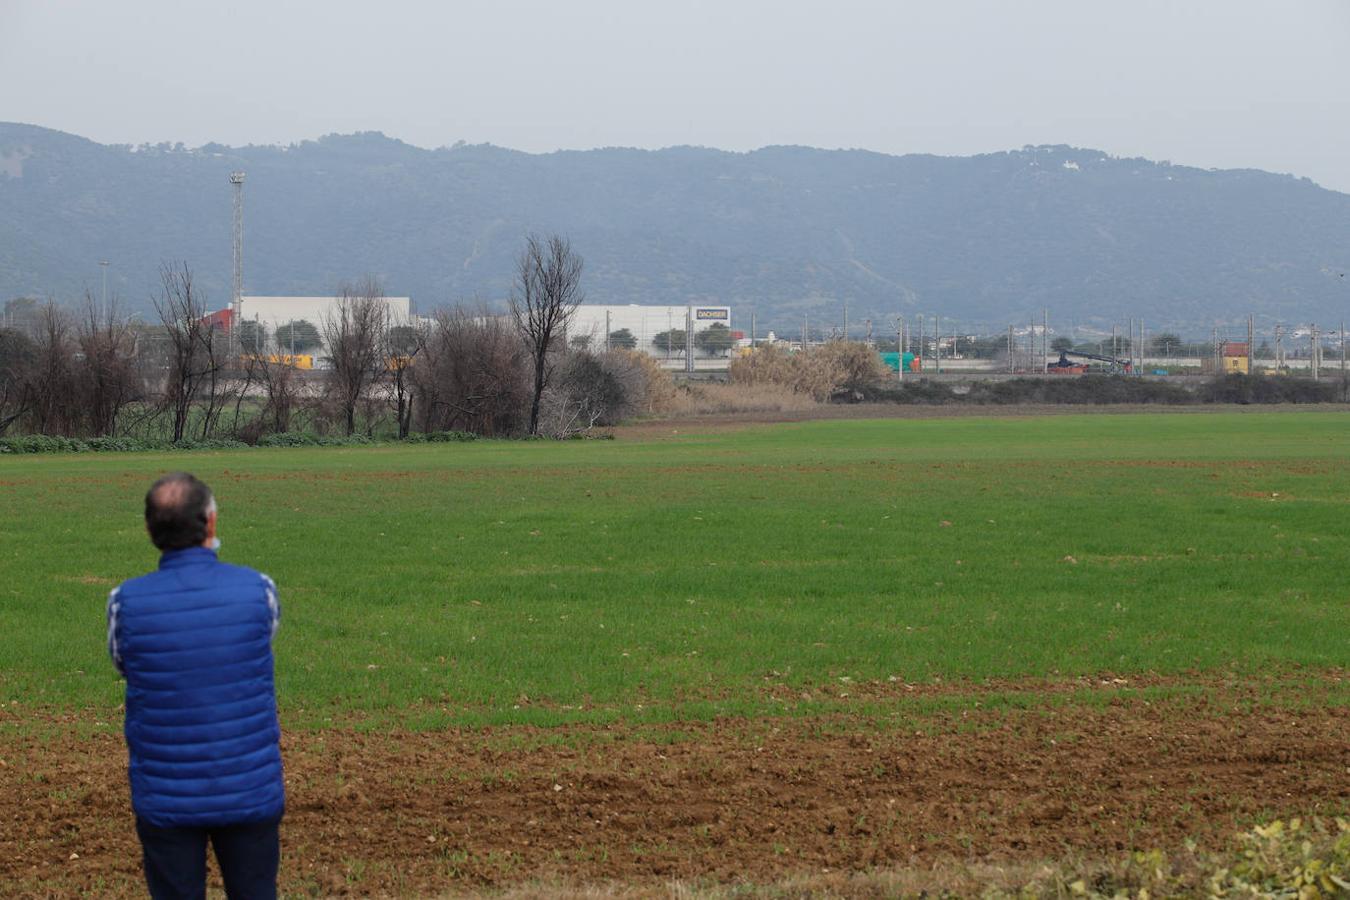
(445, 812)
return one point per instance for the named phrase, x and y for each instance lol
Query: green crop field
(725, 573)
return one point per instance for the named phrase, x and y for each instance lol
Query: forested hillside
(988, 239)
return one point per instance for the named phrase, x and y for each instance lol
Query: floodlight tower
(237, 295)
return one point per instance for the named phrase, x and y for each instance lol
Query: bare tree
(107, 373)
(281, 383)
(52, 387)
(546, 292)
(354, 335)
(195, 354)
(17, 355)
(399, 347)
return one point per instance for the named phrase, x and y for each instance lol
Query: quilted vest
(195, 643)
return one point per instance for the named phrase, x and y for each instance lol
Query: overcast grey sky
(1224, 83)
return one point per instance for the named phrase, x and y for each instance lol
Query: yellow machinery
(294, 360)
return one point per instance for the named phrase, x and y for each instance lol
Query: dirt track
(429, 813)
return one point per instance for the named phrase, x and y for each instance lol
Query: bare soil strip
(443, 812)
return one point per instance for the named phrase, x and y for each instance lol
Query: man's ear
(210, 525)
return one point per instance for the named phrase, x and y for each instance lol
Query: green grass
(708, 574)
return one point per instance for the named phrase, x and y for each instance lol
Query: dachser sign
(710, 313)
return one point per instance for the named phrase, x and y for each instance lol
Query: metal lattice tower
(236, 298)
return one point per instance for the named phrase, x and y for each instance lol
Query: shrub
(587, 390)
(1080, 389)
(448, 437)
(208, 444)
(40, 443)
(288, 439)
(817, 372)
(36, 443)
(651, 388)
(918, 392)
(470, 375)
(122, 444)
(1247, 389)
(855, 364)
(310, 439)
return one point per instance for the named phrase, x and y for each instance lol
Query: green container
(892, 361)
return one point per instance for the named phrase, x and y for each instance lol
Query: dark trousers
(175, 860)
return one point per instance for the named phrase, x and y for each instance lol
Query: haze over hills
(989, 239)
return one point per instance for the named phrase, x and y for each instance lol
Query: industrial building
(273, 312)
(652, 329)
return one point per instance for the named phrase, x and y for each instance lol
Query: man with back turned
(194, 641)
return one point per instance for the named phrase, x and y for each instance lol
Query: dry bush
(653, 389)
(854, 363)
(715, 399)
(767, 364)
(817, 372)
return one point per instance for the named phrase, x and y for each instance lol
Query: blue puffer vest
(195, 643)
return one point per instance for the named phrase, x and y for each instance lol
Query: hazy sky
(1224, 83)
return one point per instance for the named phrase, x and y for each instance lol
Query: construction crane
(1064, 367)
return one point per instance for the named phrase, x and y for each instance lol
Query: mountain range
(788, 231)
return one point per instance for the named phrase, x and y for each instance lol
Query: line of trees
(182, 377)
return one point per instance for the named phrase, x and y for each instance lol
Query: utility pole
(869, 334)
(752, 328)
(689, 340)
(103, 264)
(922, 340)
(1143, 345)
(1315, 357)
(1011, 367)
(806, 328)
(1279, 347)
(607, 332)
(1045, 339)
(845, 320)
(1251, 344)
(900, 350)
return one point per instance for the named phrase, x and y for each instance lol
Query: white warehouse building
(276, 311)
(645, 323)
(273, 312)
